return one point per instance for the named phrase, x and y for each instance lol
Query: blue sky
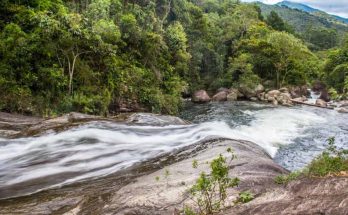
(337, 7)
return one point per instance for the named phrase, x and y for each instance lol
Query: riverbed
(293, 136)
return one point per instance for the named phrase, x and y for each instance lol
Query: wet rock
(299, 91)
(155, 119)
(200, 96)
(318, 86)
(321, 103)
(324, 95)
(254, 99)
(300, 99)
(343, 103)
(12, 124)
(259, 88)
(220, 96)
(342, 110)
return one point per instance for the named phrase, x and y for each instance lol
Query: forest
(106, 56)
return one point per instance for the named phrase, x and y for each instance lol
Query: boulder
(232, 96)
(249, 92)
(342, 110)
(154, 119)
(343, 103)
(300, 99)
(223, 89)
(318, 86)
(284, 90)
(254, 99)
(200, 96)
(299, 91)
(321, 103)
(284, 99)
(220, 96)
(273, 93)
(324, 95)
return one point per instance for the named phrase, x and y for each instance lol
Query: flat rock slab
(147, 195)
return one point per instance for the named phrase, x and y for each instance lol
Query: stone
(324, 95)
(284, 99)
(299, 91)
(342, 110)
(223, 89)
(259, 88)
(273, 93)
(284, 90)
(233, 96)
(321, 103)
(200, 96)
(300, 99)
(154, 119)
(220, 96)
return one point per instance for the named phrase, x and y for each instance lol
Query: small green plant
(285, 179)
(195, 164)
(157, 178)
(210, 191)
(245, 197)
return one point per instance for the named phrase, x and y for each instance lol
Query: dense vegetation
(320, 30)
(103, 56)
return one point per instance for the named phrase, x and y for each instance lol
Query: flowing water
(293, 136)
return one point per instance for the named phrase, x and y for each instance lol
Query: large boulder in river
(284, 99)
(250, 92)
(200, 96)
(318, 86)
(324, 95)
(299, 91)
(154, 119)
(232, 96)
(321, 103)
(220, 96)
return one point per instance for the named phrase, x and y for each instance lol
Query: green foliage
(245, 197)
(210, 191)
(331, 161)
(285, 179)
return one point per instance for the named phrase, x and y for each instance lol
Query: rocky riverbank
(317, 96)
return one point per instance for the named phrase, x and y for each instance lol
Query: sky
(336, 7)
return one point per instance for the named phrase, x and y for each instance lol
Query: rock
(342, 110)
(303, 196)
(154, 119)
(259, 89)
(200, 96)
(261, 96)
(284, 90)
(254, 99)
(273, 93)
(318, 86)
(300, 99)
(148, 196)
(223, 89)
(324, 95)
(275, 102)
(299, 91)
(284, 99)
(232, 96)
(343, 103)
(321, 103)
(251, 92)
(220, 96)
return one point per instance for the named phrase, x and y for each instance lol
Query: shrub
(210, 191)
(245, 197)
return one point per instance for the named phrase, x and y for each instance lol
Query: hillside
(302, 21)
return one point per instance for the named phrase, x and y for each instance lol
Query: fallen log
(309, 104)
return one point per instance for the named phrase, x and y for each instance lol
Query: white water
(99, 149)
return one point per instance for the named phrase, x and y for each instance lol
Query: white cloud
(336, 7)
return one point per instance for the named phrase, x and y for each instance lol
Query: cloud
(336, 7)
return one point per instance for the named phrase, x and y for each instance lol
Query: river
(292, 136)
